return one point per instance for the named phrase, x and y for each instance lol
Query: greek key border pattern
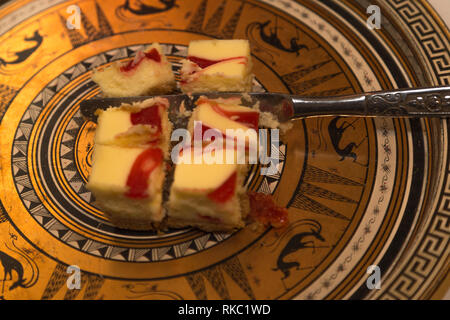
(432, 248)
(433, 44)
(434, 245)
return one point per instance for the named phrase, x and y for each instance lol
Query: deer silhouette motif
(311, 228)
(139, 8)
(24, 54)
(336, 133)
(11, 264)
(270, 37)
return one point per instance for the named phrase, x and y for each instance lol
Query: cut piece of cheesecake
(217, 65)
(208, 191)
(148, 73)
(208, 195)
(228, 117)
(138, 124)
(127, 185)
(128, 168)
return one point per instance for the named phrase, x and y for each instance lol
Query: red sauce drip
(143, 166)
(200, 129)
(204, 63)
(225, 139)
(225, 191)
(249, 119)
(151, 55)
(264, 210)
(148, 116)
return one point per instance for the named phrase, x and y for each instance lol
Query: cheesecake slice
(208, 187)
(127, 185)
(148, 73)
(208, 195)
(138, 124)
(128, 167)
(227, 117)
(217, 65)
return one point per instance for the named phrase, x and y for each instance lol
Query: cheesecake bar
(128, 168)
(209, 196)
(148, 73)
(137, 124)
(208, 187)
(228, 117)
(127, 185)
(217, 65)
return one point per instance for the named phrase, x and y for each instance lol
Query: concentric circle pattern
(360, 191)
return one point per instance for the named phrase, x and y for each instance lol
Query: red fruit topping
(133, 64)
(153, 55)
(225, 191)
(204, 63)
(149, 116)
(200, 129)
(249, 119)
(143, 166)
(264, 210)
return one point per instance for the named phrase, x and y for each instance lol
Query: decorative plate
(368, 199)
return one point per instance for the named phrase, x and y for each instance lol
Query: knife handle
(419, 102)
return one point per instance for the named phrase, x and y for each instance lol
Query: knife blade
(414, 102)
(278, 104)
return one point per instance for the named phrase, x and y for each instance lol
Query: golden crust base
(205, 226)
(133, 224)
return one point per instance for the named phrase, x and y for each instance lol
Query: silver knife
(416, 102)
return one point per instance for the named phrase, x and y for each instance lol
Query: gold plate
(359, 191)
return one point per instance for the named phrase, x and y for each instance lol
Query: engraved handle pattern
(386, 104)
(416, 102)
(431, 102)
